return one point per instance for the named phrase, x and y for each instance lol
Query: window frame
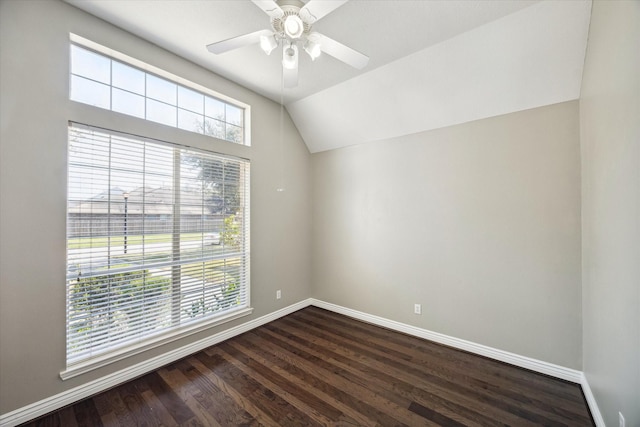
(83, 114)
(131, 347)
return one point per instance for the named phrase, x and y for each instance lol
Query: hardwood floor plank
(317, 409)
(206, 366)
(87, 414)
(568, 404)
(136, 405)
(112, 409)
(357, 408)
(67, 417)
(53, 421)
(313, 386)
(270, 403)
(220, 405)
(423, 380)
(446, 379)
(434, 416)
(105, 410)
(161, 414)
(315, 367)
(365, 375)
(547, 385)
(377, 373)
(194, 422)
(373, 375)
(178, 409)
(187, 392)
(478, 378)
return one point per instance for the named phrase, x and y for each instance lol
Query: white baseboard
(591, 401)
(68, 397)
(75, 394)
(483, 350)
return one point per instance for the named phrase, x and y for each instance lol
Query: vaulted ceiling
(432, 63)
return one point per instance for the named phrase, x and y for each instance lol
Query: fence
(83, 225)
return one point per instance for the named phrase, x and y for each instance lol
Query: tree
(231, 232)
(222, 182)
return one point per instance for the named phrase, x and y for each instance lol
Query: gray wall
(34, 110)
(479, 223)
(610, 140)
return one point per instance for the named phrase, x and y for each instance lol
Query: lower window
(157, 241)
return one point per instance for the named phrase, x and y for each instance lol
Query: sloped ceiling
(432, 63)
(528, 59)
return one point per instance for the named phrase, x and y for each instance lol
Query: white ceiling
(432, 63)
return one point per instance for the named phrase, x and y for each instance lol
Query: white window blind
(157, 240)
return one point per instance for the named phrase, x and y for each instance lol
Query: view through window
(157, 239)
(104, 82)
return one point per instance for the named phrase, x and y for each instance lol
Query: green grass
(97, 242)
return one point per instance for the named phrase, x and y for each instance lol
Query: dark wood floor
(315, 367)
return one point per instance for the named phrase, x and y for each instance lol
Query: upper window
(105, 82)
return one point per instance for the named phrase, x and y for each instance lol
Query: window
(107, 83)
(157, 242)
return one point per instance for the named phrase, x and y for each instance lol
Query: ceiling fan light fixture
(293, 26)
(312, 46)
(268, 43)
(290, 57)
(291, 23)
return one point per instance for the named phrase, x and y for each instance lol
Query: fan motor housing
(290, 8)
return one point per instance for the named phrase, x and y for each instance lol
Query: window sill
(89, 365)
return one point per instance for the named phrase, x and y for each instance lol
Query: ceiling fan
(291, 24)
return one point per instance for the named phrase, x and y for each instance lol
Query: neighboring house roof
(142, 200)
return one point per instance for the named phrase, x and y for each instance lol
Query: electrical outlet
(621, 419)
(417, 309)
(278, 294)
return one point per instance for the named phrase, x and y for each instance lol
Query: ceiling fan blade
(343, 53)
(290, 58)
(290, 77)
(237, 42)
(316, 9)
(270, 7)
